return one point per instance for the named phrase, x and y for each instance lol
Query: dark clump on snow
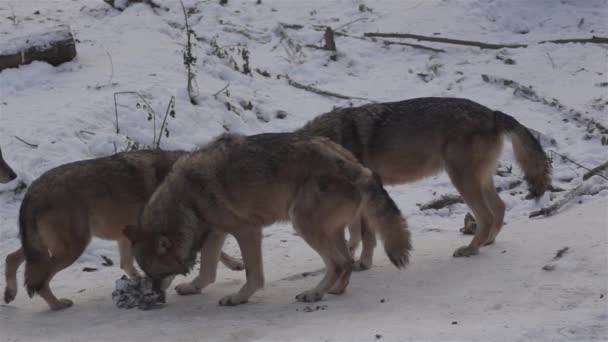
(129, 293)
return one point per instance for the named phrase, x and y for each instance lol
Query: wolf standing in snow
(408, 140)
(6, 173)
(237, 185)
(68, 204)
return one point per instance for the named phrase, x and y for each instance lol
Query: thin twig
(323, 92)
(221, 90)
(350, 23)
(579, 165)
(162, 127)
(390, 42)
(551, 60)
(111, 66)
(149, 109)
(25, 142)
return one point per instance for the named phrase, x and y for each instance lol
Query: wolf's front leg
(250, 243)
(210, 256)
(126, 258)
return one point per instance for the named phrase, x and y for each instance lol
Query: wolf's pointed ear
(130, 231)
(164, 244)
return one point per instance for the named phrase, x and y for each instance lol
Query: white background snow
(501, 294)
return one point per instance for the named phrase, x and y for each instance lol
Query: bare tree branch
(323, 92)
(480, 45)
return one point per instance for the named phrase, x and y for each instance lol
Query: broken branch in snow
(529, 93)
(596, 171)
(221, 90)
(480, 45)
(25, 142)
(593, 40)
(323, 92)
(54, 47)
(122, 5)
(582, 189)
(374, 40)
(442, 202)
(560, 253)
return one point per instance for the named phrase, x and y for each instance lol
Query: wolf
(69, 204)
(408, 140)
(6, 173)
(237, 185)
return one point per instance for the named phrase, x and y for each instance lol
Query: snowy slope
(69, 112)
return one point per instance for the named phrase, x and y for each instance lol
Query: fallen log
(54, 47)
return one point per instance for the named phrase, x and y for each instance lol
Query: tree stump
(54, 47)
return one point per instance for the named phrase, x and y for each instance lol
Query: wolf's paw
(361, 265)
(232, 300)
(9, 295)
(234, 264)
(465, 251)
(309, 296)
(61, 304)
(185, 289)
(132, 273)
(337, 291)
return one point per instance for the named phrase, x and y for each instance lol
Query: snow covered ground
(502, 294)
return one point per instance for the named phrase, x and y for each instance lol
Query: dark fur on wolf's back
(408, 140)
(237, 185)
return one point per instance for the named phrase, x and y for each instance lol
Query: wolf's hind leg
(498, 210)
(367, 250)
(13, 261)
(354, 238)
(471, 189)
(347, 268)
(59, 261)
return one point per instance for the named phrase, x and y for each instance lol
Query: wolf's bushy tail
(529, 155)
(37, 258)
(381, 212)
